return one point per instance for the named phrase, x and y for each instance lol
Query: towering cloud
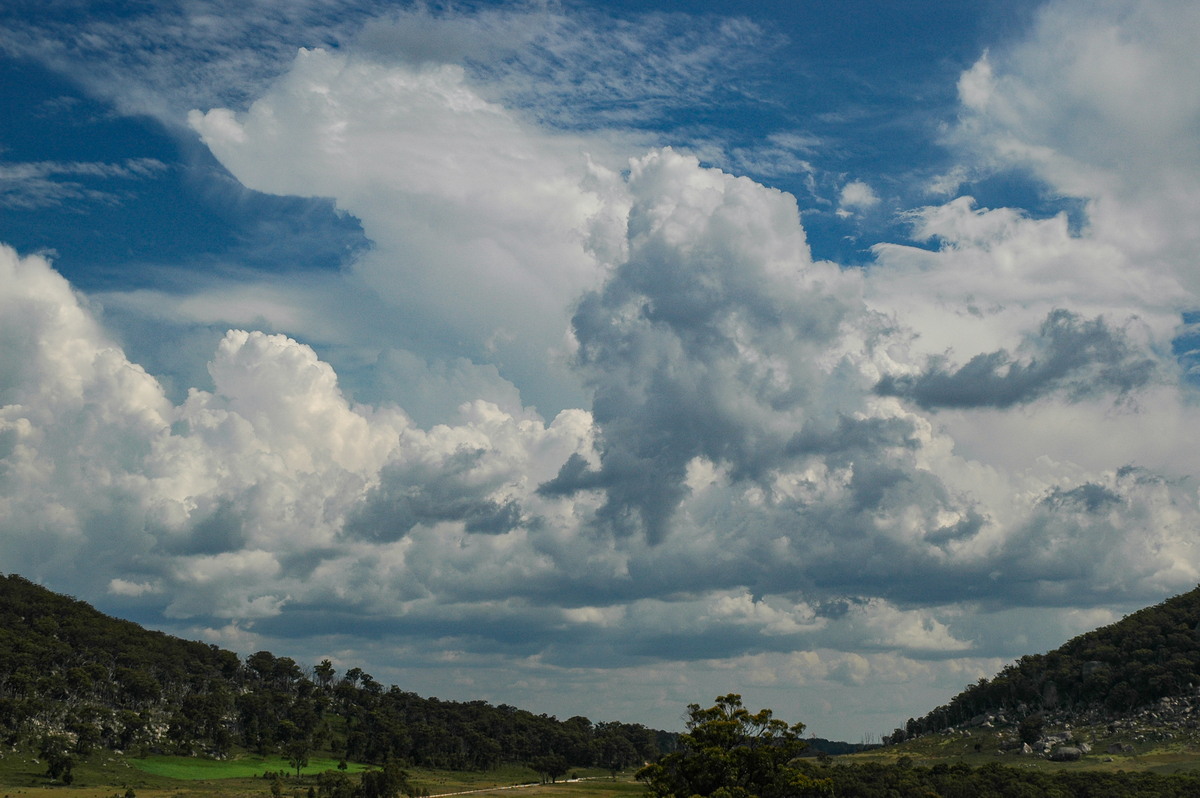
(711, 342)
(484, 228)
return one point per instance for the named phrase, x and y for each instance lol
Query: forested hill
(1149, 655)
(74, 678)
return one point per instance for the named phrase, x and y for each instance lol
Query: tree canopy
(729, 752)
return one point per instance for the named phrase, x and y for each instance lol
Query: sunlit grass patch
(195, 769)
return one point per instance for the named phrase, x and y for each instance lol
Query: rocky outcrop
(1071, 735)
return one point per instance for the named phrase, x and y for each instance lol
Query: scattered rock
(1066, 753)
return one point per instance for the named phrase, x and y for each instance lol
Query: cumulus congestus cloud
(707, 342)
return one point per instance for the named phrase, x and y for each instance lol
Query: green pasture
(186, 768)
(105, 775)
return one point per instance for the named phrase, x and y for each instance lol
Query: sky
(603, 358)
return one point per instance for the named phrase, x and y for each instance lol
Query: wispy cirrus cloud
(570, 70)
(44, 184)
(161, 61)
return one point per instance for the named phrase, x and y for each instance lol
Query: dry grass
(1159, 757)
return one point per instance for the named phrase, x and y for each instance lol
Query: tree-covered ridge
(1151, 654)
(68, 668)
(44, 635)
(73, 679)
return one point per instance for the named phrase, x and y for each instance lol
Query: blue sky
(603, 358)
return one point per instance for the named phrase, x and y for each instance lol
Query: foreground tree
(728, 752)
(390, 782)
(297, 754)
(296, 745)
(550, 766)
(616, 753)
(55, 750)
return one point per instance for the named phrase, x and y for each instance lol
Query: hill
(1146, 665)
(73, 680)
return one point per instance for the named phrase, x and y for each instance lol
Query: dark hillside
(73, 679)
(1147, 656)
(103, 681)
(43, 632)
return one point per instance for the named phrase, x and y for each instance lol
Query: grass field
(1182, 753)
(188, 768)
(106, 775)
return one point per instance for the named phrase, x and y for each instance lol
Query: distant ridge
(1150, 655)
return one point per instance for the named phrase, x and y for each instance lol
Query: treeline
(73, 679)
(1152, 654)
(355, 716)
